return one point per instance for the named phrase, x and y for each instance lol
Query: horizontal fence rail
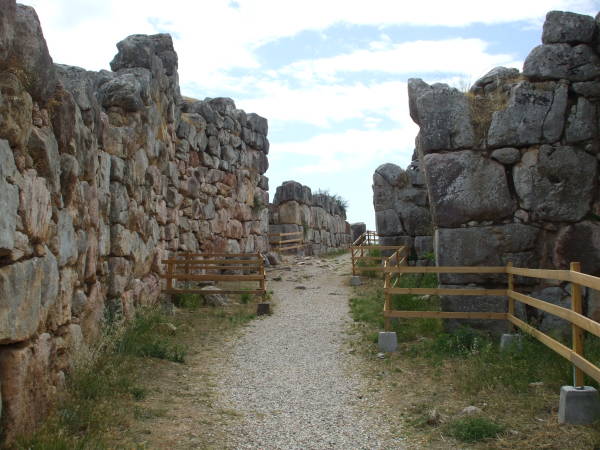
(574, 315)
(287, 241)
(214, 267)
(361, 252)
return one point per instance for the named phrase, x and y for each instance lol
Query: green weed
(188, 301)
(473, 429)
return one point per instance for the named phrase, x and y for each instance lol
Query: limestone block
(507, 155)
(119, 275)
(292, 190)
(35, 206)
(562, 61)
(555, 183)
(43, 148)
(582, 123)
(568, 28)
(67, 239)
(15, 111)
(444, 115)
(484, 246)
(9, 204)
(119, 203)
(474, 303)
(388, 223)
(26, 385)
(533, 114)
(26, 289)
(465, 186)
(289, 212)
(579, 242)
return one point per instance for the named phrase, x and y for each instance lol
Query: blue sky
(330, 75)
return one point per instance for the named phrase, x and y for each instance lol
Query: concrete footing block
(388, 341)
(355, 281)
(578, 405)
(511, 342)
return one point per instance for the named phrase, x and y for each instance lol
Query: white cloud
(211, 36)
(464, 56)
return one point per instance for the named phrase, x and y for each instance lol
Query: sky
(329, 75)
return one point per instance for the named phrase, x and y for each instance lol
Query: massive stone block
(568, 28)
(485, 246)
(533, 115)
(443, 114)
(562, 61)
(26, 289)
(556, 183)
(465, 186)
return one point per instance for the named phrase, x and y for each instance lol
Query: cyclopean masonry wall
(102, 175)
(319, 216)
(512, 166)
(402, 209)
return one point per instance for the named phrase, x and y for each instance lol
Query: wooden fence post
(387, 325)
(577, 306)
(187, 268)
(261, 271)
(353, 259)
(511, 301)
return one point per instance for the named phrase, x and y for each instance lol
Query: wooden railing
(579, 322)
(287, 241)
(215, 267)
(361, 251)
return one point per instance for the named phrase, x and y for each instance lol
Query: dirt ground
(190, 405)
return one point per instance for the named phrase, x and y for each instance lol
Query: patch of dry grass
(431, 379)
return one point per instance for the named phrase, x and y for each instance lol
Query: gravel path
(290, 376)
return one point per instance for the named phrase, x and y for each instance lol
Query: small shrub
(188, 301)
(143, 338)
(245, 298)
(473, 429)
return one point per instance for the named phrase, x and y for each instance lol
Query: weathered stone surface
(125, 91)
(35, 206)
(289, 212)
(568, 28)
(358, 228)
(484, 246)
(555, 183)
(507, 155)
(482, 303)
(26, 288)
(149, 52)
(582, 123)
(388, 222)
(25, 372)
(24, 48)
(44, 150)
(292, 190)
(9, 203)
(562, 61)
(581, 243)
(67, 243)
(443, 114)
(494, 79)
(534, 114)
(465, 186)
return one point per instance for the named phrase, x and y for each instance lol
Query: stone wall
(512, 166)
(402, 214)
(102, 175)
(320, 217)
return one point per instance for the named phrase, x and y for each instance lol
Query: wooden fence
(287, 241)
(215, 267)
(579, 322)
(361, 251)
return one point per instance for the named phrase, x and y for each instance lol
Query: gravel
(292, 379)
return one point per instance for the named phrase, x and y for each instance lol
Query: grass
(517, 389)
(365, 263)
(107, 393)
(473, 429)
